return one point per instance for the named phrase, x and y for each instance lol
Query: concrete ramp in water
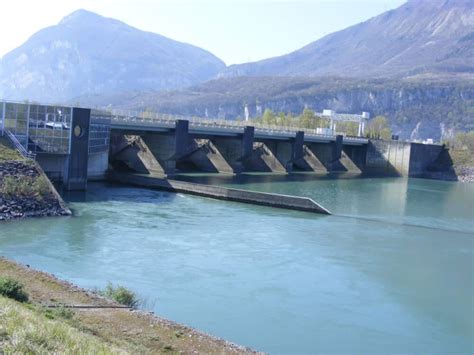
(222, 193)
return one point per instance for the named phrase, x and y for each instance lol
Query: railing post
(27, 126)
(3, 116)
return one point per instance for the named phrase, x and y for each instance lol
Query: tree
(379, 128)
(307, 119)
(282, 120)
(269, 117)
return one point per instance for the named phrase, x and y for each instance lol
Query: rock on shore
(466, 174)
(12, 207)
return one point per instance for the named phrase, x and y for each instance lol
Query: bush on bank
(121, 295)
(12, 289)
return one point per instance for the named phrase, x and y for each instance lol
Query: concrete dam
(76, 145)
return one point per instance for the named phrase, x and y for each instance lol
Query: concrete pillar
(76, 178)
(247, 141)
(298, 152)
(337, 147)
(181, 137)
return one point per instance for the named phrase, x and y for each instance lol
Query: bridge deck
(223, 128)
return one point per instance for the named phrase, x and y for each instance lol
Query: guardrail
(169, 121)
(16, 143)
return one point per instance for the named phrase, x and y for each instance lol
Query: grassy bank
(7, 153)
(26, 329)
(35, 328)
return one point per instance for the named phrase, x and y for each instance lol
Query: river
(390, 272)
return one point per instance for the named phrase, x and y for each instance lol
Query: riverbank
(463, 163)
(25, 191)
(118, 329)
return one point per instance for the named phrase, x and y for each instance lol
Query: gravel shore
(466, 174)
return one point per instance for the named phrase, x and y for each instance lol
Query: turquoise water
(390, 272)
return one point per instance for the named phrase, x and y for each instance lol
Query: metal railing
(16, 143)
(151, 119)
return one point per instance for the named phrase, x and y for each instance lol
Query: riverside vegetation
(461, 148)
(37, 317)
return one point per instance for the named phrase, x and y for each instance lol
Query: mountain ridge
(416, 38)
(87, 53)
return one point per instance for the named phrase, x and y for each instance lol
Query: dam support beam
(264, 157)
(331, 157)
(324, 153)
(162, 147)
(357, 155)
(207, 157)
(232, 150)
(133, 153)
(303, 157)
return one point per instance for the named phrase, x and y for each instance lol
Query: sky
(236, 31)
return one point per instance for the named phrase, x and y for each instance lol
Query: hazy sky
(235, 30)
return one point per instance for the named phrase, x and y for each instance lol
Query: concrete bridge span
(184, 145)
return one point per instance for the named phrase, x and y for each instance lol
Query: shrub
(121, 295)
(12, 289)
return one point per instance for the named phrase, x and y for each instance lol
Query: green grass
(25, 186)
(27, 330)
(7, 152)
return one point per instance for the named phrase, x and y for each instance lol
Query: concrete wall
(388, 158)
(422, 156)
(97, 166)
(402, 158)
(54, 165)
(222, 193)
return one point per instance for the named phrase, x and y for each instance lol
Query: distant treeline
(378, 127)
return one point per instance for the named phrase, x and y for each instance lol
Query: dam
(75, 145)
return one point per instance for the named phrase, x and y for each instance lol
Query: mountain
(90, 54)
(422, 37)
(416, 108)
